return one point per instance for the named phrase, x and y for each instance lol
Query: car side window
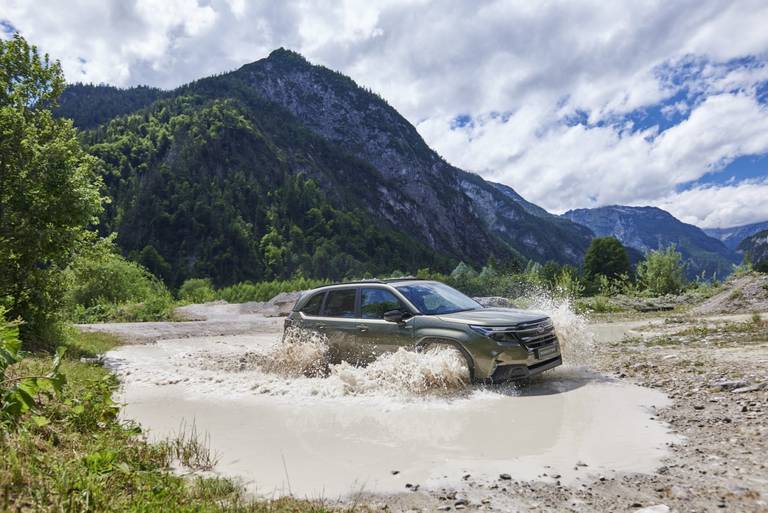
(312, 307)
(374, 302)
(340, 303)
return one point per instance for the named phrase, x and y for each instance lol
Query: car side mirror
(395, 316)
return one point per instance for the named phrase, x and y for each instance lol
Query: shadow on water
(557, 381)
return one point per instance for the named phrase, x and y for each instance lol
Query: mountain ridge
(733, 236)
(285, 117)
(650, 228)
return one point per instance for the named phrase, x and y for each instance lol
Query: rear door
(339, 322)
(375, 335)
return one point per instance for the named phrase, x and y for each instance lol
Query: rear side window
(374, 302)
(340, 303)
(313, 305)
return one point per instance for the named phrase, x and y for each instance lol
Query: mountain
(733, 236)
(283, 167)
(756, 246)
(649, 228)
(89, 105)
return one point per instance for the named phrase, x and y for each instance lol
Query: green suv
(365, 319)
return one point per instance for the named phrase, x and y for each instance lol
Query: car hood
(494, 316)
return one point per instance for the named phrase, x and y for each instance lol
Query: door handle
(362, 328)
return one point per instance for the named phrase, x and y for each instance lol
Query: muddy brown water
(378, 428)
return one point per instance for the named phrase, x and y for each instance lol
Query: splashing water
(299, 365)
(302, 361)
(576, 339)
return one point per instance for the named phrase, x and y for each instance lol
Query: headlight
(497, 333)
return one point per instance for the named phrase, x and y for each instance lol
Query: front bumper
(521, 371)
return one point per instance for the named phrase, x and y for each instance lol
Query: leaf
(78, 409)
(40, 421)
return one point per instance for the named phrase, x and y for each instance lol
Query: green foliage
(264, 291)
(19, 392)
(197, 290)
(49, 188)
(72, 453)
(662, 272)
(607, 257)
(762, 266)
(219, 183)
(104, 286)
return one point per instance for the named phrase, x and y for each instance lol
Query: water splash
(572, 328)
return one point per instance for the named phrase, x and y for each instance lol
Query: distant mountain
(756, 246)
(733, 236)
(649, 228)
(283, 167)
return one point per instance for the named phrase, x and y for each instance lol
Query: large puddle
(406, 419)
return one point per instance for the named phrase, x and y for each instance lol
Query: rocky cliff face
(282, 116)
(457, 212)
(650, 228)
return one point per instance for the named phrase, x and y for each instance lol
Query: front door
(375, 335)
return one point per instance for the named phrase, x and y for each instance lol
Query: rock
(659, 508)
(444, 508)
(751, 388)
(505, 477)
(466, 476)
(726, 384)
(698, 407)
(394, 472)
(461, 502)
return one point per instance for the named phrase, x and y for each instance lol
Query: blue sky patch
(7, 27)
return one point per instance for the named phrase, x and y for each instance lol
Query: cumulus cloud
(737, 204)
(550, 92)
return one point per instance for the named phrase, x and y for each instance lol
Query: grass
(75, 455)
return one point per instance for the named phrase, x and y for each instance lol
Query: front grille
(536, 334)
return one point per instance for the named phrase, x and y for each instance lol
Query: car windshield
(433, 298)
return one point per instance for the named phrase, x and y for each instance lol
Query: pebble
(659, 508)
(505, 477)
(395, 472)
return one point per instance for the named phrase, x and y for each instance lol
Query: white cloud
(737, 204)
(541, 62)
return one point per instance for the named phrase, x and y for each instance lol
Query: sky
(575, 103)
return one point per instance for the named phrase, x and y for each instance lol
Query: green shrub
(20, 392)
(662, 272)
(266, 290)
(197, 290)
(104, 286)
(762, 266)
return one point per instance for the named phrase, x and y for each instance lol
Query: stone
(505, 477)
(659, 508)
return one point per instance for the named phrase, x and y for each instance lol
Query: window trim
(410, 308)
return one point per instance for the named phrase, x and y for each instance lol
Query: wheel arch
(425, 342)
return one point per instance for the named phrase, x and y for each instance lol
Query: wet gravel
(717, 378)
